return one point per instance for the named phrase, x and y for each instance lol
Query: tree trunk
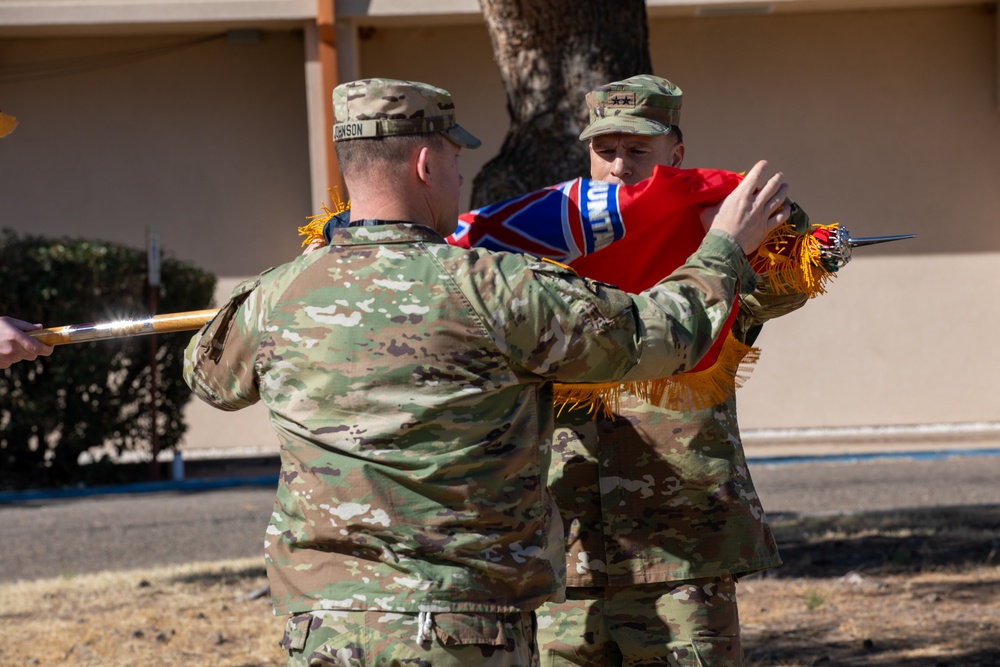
(550, 54)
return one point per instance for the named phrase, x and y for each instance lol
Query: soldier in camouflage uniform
(659, 509)
(410, 385)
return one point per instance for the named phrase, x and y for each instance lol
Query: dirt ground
(902, 589)
(916, 588)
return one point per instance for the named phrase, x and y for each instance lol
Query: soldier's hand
(315, 245)
(752, 210)
(16, 346)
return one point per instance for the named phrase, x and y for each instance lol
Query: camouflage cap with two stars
(643, 104)
(391, 107)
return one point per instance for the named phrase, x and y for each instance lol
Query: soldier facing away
(410, 385)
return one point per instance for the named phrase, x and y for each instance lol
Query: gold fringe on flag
(313, 231)
(791, 262)
(7, 124)
(685, 392)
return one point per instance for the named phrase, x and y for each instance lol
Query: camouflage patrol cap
(643, 104)
(391, 107)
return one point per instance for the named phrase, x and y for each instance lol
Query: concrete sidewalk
(208, 469)
(758, 443)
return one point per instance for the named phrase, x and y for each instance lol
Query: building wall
(456, 58)
(206, 142)
(886, 121)
(209, 143)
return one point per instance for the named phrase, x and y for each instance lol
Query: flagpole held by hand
(81, 333)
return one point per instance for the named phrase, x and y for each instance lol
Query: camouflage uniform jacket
(410, 385)
(655, 495)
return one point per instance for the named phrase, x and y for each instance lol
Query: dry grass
(909, 588)
(904, 589)
(198, 614)
(933, 619)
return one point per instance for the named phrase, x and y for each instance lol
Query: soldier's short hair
(356, 157)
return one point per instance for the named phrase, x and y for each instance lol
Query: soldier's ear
(677, 155)
(423, 165)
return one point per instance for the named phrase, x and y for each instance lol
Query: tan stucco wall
(897, 340)
(458, 59)
(208, 143)
(886, 121)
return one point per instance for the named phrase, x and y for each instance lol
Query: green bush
(97, 393)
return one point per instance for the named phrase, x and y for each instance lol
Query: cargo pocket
(462, 629)
(325, 656)
(216, 332)
(715, 652)
(331, 643)
(296, 632)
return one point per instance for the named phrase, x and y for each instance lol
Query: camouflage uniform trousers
(679, 623)
(389, 639)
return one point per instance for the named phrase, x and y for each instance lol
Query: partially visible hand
(17, 346)
(752, 210)
(315, 245)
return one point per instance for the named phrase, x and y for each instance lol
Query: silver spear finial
(838, 253)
